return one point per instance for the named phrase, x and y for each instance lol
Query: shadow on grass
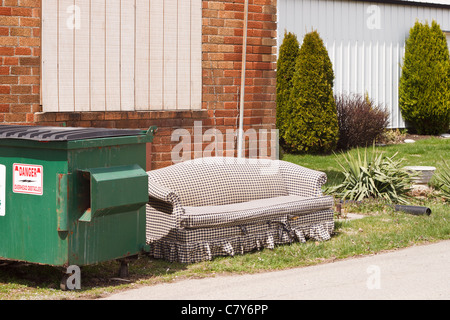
(100, 275)
(334, 177)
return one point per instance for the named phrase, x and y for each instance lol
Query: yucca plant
(373, 175)
(442, 181)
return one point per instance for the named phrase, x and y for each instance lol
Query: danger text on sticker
(28, 179)
(28, 171)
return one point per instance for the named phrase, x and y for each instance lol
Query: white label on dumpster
(28, 179)
(2, 189)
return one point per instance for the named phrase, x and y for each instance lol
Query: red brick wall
(222, 56)
(19, 60)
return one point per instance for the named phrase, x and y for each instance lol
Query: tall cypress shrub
(285, 71)
(313, 124)
(424, 90)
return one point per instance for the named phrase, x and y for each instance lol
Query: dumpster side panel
(107, 238)
(110, 236)
(29, 226)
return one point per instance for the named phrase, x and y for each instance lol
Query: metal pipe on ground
(415, 210)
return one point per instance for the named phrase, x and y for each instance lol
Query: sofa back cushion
(219, 181)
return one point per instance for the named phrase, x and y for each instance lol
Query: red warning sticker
(28, 179)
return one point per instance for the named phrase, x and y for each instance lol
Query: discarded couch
(216, 206)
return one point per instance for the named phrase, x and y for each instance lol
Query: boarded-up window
(121, 55)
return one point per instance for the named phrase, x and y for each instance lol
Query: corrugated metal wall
(365, 41)
(121, 55)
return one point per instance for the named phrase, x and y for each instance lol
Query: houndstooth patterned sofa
(209, 207)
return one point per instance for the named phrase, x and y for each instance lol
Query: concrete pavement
(417, 273)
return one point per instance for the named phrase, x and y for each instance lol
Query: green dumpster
(72, 196)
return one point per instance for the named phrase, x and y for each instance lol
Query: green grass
(381, 230)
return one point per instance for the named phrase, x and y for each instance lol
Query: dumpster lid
(37, 133)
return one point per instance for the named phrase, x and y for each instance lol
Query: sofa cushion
(250, 211)
(221, 181)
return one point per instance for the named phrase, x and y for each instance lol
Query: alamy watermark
(374, 20)
(73, 22)
(260, 144)
(374, 280)
(73, 281)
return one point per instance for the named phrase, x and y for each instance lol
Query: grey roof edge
(408, 3)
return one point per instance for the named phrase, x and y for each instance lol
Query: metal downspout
(244, 61)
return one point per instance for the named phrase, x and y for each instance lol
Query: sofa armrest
(163, 202)
(155, 190)
(302, 181)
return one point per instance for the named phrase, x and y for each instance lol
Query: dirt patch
(396, 136)
(417, 137)
(350, 216)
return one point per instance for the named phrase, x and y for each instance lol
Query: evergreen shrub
(424, 92)
(312, 124)
(287, 58)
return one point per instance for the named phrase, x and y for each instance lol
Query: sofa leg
(123, 269)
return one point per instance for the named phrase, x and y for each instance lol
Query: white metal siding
(447, 36)
(365, 41)
(121, 55)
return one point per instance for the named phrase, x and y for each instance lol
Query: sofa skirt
(202, 244)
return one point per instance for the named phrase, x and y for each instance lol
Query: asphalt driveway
(415, 273)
